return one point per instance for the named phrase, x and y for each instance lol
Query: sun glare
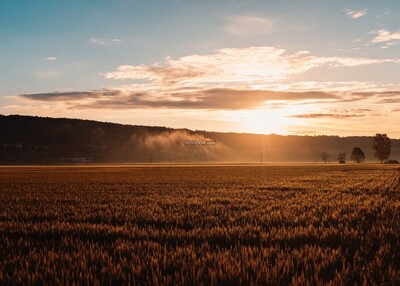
(267, 121)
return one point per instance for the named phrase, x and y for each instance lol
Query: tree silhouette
(382, 146)
(357, 155)
(324, 156)
(342, 157)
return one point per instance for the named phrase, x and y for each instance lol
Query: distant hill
(42, 140)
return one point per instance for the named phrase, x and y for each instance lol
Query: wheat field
(200, 225)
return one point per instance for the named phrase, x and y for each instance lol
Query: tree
(357, 155)
(324, 156)
(382, 146)
(342, 157)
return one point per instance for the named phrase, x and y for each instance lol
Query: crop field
(200, 225)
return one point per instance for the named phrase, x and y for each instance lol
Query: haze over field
(38, 140)
(285, 67)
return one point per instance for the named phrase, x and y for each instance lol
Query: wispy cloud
(385, 12)
(325, 115)
(245, 25)
(388, 100)
(105, 42)
(214, 99)
(337, 86)
(381, 94)
(355, 14)
(383, 36)
(223, 99)
(51, 58)
(70, 95)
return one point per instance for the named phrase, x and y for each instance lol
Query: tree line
(381, 145)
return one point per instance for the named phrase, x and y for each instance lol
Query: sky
(301, 67)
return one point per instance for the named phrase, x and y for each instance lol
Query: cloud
(325, 115)
(51, 58)
(73, 95)
(245, 25)
(383, 36)
(385, 12)
(240, 66)
(215, 99)
(388, 100)
(227, 79)
(338, 86)
(105, 42)
(355, 14)
(390, 93)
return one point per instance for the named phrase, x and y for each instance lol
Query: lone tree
(357, 155)
(342, 157)
(324, 156)
(382, 146)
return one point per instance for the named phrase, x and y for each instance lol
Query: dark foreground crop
(204, 225)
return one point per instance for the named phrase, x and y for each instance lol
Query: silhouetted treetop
(382, 146)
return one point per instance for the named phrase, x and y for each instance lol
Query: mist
(172, 146)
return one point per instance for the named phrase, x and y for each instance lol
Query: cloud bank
(236, 65)
(227, 79)
(223, 98)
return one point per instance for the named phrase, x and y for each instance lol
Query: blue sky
(53, 51)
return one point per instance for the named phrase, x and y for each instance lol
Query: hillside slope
(39, 140)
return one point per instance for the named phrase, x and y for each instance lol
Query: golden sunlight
(267, 121)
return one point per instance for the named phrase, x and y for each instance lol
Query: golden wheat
(204, 225)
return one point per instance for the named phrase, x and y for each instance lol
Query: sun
(267, 121)
(263, 121)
